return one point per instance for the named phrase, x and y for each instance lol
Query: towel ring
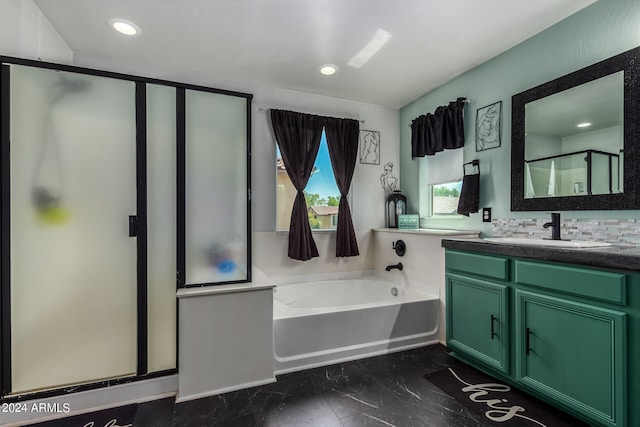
(473, 163)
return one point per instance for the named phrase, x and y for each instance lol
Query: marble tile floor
(387, 390)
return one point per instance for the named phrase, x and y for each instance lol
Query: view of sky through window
(322, 194)
(322, 181)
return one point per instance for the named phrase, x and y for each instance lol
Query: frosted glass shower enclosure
(216, 227)
(573, 174)
(116, 190)
(73, 185)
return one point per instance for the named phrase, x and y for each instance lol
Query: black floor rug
(497, 402)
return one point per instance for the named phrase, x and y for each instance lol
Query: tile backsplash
(619, 231)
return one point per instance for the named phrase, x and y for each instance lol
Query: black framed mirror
(575, 141)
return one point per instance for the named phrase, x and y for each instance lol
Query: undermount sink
(547, 242)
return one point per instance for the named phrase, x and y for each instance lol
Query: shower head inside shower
(43, 200)
(65, 86)
(73, 85)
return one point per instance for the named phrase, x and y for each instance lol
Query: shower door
(72, 187)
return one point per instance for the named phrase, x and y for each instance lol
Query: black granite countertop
(617, 257)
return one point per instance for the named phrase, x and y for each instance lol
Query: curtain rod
(266, 109)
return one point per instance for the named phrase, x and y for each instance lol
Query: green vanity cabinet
(573, 353)
(477, 319)
(562, 332)
(478, 307)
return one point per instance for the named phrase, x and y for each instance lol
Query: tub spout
(397, 266)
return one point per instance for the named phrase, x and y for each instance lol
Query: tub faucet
(555, 226)
(397, 266)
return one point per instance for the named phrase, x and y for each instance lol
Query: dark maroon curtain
(342, 140)
(298, 136)
(441, 130)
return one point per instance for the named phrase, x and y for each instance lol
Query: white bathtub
(320, 322)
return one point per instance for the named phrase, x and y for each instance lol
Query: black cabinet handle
(493, 332)
(526, 341)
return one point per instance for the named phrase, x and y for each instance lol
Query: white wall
(367, 203)
(423, 262)
(26, 33)
(608, 139)
(539, 146)
(367, 207)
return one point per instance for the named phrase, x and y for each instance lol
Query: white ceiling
(282, 43)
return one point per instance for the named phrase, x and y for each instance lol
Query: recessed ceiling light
(125, 27)
(583, 125)
(329, 69)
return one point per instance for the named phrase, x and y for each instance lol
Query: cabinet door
(477, 322)
(573, 353)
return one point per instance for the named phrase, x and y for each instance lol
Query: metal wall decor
(488, 124)
(369, 147)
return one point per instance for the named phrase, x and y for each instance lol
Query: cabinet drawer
(598, 285)
(481, 265)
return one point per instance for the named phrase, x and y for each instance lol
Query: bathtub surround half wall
(225, 337)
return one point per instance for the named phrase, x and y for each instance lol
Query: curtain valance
(438, 131)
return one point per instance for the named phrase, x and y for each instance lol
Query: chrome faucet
(397, 266)
(555, 226)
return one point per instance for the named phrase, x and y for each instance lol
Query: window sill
(429, 231)
(333, 230)
(443, 217)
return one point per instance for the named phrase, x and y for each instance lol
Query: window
(441, 184)
(322, 193)
(444, 198)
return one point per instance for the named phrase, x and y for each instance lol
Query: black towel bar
(475, 162)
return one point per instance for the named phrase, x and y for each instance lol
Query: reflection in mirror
(574, 139)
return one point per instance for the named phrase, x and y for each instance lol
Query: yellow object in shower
(54, 215)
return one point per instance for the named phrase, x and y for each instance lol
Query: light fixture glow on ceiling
(366, 53)
(583, 125)
(125, 27)
(329, 69)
